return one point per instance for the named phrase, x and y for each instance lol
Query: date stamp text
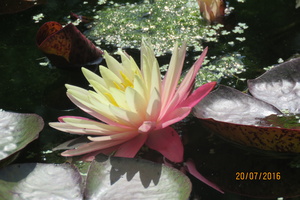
(265, 176)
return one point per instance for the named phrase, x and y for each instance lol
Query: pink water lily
(134, 107)
(212, 10)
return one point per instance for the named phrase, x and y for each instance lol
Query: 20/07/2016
(266, 176)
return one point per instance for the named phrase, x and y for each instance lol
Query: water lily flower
(212, 10)
(134, 106)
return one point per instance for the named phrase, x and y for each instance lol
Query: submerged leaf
(283, 121)
(124, 178)
(17, 130)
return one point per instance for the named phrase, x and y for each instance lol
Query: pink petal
(191, 168)
(185, 87)
(198, 95)
(167, 142)
(175, 116)
(131, 147)
(186, 84)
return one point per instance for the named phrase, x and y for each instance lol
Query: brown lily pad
(66, 46)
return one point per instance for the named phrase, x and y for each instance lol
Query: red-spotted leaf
(67, 46)
(279, 86)
(240, 118)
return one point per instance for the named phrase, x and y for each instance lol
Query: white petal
(73, 130)
(98, 87)
(101, 98)
(136, 102)
(111, 79)
(113, 65)
(154, 106)
(91, 76)
(92, 103)
(94, 125)
(139, 87)
(125, 117)
(119, 97)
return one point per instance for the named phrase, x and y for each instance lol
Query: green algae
(166, 22)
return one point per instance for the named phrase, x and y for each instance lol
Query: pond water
(30, 85)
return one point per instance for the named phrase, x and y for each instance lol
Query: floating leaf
(37, 181)
(67, 46)
(126, 178)
(230, 105)
(279, 86)
(238, 117)
(17, 130)
(107, 178)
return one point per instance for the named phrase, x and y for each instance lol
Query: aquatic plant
(134, 106)
(131, 178)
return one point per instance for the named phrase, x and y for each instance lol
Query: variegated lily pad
(125, 178)
(17, 130)
(241, 118)
(37, 181)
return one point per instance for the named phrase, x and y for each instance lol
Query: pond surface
(30, 85)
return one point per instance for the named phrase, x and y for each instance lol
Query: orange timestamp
(265, 176)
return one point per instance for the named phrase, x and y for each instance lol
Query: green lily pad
(17, 130)
(37, 181)
(107, 178)
(125, 178)
(279, 86)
